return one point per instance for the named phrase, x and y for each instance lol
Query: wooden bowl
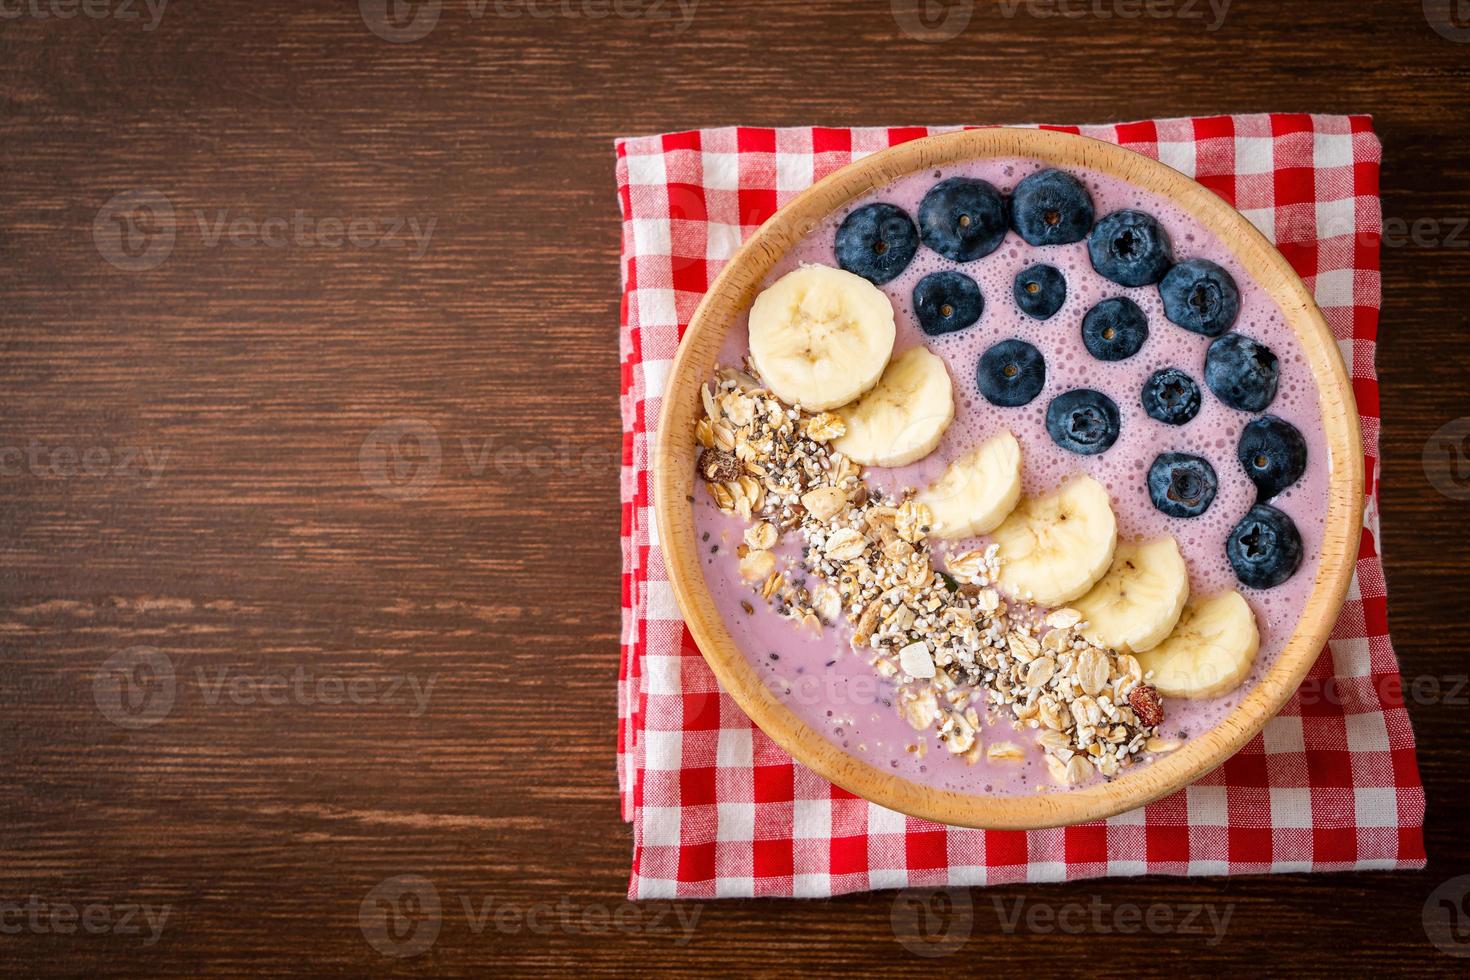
(732, 293)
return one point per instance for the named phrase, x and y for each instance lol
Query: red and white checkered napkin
(718, 809)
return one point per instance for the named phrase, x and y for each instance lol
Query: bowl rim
(732, 292)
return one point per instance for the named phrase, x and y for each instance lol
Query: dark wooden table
(369, 684)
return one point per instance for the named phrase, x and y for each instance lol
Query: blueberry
(877, 242)
(962, 218)
(1200, 296)
(947, 301)
(1010, 373)
(1171, 396)
(1265, 548)
(1273, 453)
(1242, 372)
(1114, 329)
(1083, 421)
(1051, 208)
(1130, 248)
(1182, 485)
(1040, 290)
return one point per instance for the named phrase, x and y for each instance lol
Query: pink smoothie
(834, 689)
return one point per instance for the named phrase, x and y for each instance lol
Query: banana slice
(1209, 653)
(977, 491)
(1139, 600)
(820, 336)
(904, 417)
(1053, 549)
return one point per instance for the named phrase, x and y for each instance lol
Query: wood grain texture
(261, 548)
(731, 295)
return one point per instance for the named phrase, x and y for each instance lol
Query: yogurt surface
(833, 688)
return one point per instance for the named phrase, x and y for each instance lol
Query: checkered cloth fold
(717, 809)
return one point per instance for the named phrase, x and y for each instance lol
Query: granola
(965, 658)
